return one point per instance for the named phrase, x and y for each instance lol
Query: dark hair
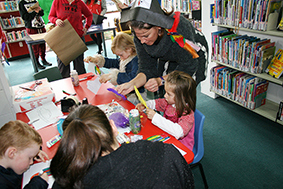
(184, 90)
(87, 133)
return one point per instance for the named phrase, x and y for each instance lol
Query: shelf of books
(245, 66)
(12, 29)
(243, 89)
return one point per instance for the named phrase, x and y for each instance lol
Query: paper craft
(34, 170)
(94, 69)
(140, 97)
(116, 92)
(65, 42)
(47, 114)
(94, 85)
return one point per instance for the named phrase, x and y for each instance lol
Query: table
(103, 96)
(92, 30)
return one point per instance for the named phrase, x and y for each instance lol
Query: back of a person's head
(123, 41)
(184, 89)
(87, 133)
(19, 135)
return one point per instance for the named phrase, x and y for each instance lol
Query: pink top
(187, 122)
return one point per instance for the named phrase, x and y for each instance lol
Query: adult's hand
(125, 88)
(59, 22)
(152, 85)
(85, 31)
(104, 78)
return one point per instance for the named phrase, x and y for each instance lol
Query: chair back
(198, 149)
(51, 73)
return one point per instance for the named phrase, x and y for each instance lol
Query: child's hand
(89, 59)
(140, 107)
(104, 78)
(150, 113)
(44, 176)
(41, 156)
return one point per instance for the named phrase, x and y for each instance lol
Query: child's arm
(168, 126)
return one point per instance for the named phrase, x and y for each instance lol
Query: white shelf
(268, 110)
(261, 75)
(271, 32)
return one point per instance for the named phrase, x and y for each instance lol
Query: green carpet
(242, 149)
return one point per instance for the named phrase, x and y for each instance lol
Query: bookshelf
(270, 108)
(12, 30)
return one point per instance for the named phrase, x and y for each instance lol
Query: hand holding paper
(140, 97)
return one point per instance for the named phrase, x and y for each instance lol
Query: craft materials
(86, 78)
(122, 138)
(140, 97)
(75, 78)
(135, 121)
(116, 92)
(53, 141)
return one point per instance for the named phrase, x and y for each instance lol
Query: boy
(20, 145)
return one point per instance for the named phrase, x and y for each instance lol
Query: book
(266, 55)
(275, 68)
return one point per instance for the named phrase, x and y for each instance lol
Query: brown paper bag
(65, 42)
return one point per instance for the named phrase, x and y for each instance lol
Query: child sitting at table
(121, 70)
(178, 106)
(89, 156)
(20, 145)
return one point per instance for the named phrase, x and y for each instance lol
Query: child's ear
(10, 152)
(114, 128)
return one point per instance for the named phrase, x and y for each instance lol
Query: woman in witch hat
(164, 43)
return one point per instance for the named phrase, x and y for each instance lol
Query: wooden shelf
(269, 110)
(261, 75)
(272, 32)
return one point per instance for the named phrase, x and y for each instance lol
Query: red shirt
(62, 9)
(95, 7)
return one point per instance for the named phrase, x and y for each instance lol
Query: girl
(123, 69)
(20, 145)
(89, 156)
(178, 106)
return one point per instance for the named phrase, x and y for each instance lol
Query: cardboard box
(32, 94)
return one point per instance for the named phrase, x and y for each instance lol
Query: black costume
(142, 164)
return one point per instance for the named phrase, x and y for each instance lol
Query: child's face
(124, 54)
(24, 158)
(169, 95)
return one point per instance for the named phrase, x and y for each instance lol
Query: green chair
(51, 73)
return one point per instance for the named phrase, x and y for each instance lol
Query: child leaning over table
(20, 145)
(178, 106)
(122, 69)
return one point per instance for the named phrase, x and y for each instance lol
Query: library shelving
(12, 30)
(270, 108)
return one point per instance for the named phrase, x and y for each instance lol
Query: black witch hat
(147, 11)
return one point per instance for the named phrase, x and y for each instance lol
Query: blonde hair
(19, 135)
(123, 42)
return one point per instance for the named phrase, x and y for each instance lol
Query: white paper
(180, 150)
(94, 85)
(36, 168)
(47, 114)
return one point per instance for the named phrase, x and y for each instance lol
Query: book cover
(260, 94)
(266, 55)
(275, 68)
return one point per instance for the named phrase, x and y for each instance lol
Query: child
(20, 144)
(89, 156)
(178, 106)
(122, 70)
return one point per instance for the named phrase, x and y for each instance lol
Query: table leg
(104, 46)
(32, 56)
